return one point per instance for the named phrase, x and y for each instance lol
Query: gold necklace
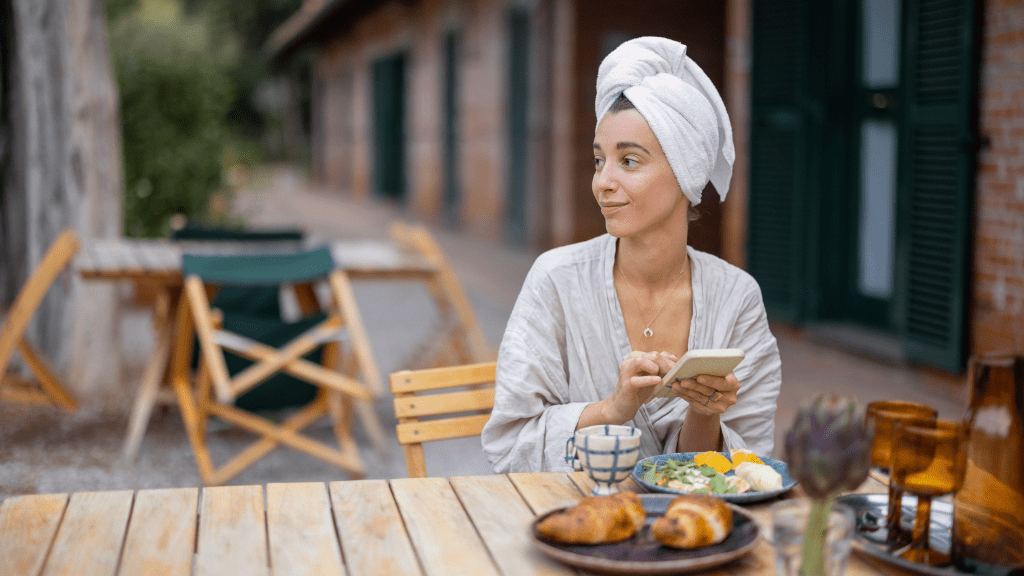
(647, 330)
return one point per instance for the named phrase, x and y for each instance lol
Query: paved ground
(43, 450)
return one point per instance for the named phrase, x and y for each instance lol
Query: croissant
(596, 520)
(692, 521)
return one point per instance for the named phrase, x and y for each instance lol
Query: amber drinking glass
(927, 460)
(883, 414)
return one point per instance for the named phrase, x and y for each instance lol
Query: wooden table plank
(302, 537)
(440, 530)
(503, 518)
(232, 535)
(162, 533)
(27, 527)
(373, 537)
(544, 491)
(90, 536)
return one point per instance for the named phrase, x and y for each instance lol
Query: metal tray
(870, 534)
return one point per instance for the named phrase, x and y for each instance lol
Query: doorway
(863, 149)
(389, 127)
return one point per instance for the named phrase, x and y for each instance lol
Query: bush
(175, 96)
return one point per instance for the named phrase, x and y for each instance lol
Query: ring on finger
(714, 397)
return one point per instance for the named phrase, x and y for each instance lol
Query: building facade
(877, 194)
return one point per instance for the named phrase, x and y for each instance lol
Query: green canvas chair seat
(249, 362)
(281, 390)
(252, 278)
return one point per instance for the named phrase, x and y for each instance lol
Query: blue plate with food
(739, 477)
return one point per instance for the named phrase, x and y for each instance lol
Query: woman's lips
(607, 209)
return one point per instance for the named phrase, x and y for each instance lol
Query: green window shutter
(389, 126)
(778, 153)
(937, 177)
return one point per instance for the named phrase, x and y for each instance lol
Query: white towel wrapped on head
(680, 104)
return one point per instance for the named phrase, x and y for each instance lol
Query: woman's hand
(638, 374)
(708, 395)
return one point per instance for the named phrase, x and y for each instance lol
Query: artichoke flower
(828, 451)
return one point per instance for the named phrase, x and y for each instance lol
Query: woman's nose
(602, 178)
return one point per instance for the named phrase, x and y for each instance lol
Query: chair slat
(443, 429)
(31, 295)
(450, 377)
(435, 404)
(12, 327)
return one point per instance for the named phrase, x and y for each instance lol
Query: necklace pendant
(648, 332)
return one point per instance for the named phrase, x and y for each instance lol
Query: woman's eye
(598, 162)
(630, 162)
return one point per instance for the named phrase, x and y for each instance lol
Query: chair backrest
(418, 238)
(259, 269)
(456, 414)
(198, 232)
(32, 293)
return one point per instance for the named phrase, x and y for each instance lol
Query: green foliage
(173, 74)
(253, 23)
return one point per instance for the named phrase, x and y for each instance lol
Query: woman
(598, 323)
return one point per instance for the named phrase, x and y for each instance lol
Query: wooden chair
(345, 380)
(461, 340)
(46, 388)
(155, 388)
(455, 414)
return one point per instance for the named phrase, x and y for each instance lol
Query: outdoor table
(475, 525)
(154, 269)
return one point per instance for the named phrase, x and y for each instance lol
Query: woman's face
(633, 182)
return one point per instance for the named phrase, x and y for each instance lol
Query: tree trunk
(64, 170)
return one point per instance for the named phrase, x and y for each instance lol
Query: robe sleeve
(533, 416)
(750, 423)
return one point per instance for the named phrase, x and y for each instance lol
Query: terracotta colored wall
(344, 67)
(738, 14)
(998, 287)
(565, 51)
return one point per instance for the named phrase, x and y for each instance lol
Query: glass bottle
(988, 511)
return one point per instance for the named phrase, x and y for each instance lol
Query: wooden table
(154, 268)
(474, 525)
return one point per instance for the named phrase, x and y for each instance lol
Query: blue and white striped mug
(606, 452)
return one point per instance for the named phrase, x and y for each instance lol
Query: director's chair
(344, 381)
(46, 388)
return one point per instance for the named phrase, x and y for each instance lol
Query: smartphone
(714, 362)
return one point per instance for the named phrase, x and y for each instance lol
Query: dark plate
(642, 554)
(869, 538)
(747, 497)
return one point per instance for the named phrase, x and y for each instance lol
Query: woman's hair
(622, 103)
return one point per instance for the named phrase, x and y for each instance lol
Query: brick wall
(998, 288)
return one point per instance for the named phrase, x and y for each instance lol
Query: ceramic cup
(607, 453)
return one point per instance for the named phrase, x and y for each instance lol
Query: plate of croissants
(629, 533)
(739, 477)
